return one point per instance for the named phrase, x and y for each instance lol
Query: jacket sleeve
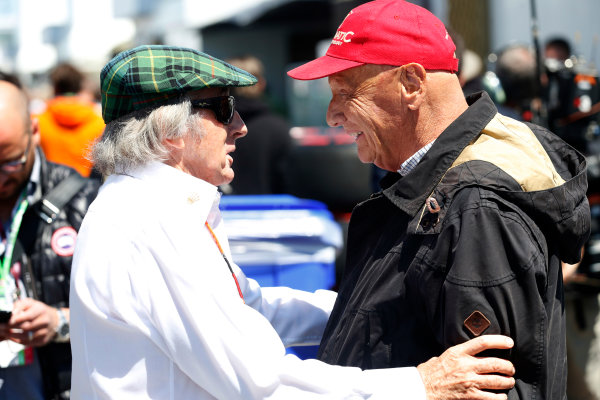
(282, 306)
(489, 274)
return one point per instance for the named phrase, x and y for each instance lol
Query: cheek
(362, 112)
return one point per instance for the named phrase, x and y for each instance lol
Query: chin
(365, 160)
(226, 179)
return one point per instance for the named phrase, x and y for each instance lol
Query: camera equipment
(572, 98)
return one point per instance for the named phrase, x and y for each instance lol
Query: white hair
(137, 140)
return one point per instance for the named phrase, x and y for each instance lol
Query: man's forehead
(343, 77)
(357, 75)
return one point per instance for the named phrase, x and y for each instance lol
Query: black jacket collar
(410, 192)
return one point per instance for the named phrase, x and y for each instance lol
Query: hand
(33, 323)
(569, 271)
(457, 374)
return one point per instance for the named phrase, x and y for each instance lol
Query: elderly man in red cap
(467, 235)
(158, 309)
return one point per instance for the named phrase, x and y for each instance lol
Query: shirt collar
(413, 160)
(180, 189)
(409, 192)
(34, 178)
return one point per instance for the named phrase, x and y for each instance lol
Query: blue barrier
(282, 240)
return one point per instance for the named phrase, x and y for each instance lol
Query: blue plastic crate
(308, 276)
(282, 240)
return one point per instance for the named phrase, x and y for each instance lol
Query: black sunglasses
(222, 106)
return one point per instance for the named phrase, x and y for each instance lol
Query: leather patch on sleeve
(477, 323)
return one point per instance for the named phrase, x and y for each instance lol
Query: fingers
(32, 323)
(495, 382)
(24, 310)
(31, 315)
(480, 395)
(28, 338)
(487, 365)
(21, 336)
(458, 374)
(485, 342)
(28, 326)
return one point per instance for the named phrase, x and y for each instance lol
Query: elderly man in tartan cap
(158, 309)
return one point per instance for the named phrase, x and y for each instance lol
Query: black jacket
(48, 273)
(420, 279)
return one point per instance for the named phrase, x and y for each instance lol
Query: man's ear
(175, 146)
(174, 143)
(412, 78)
(35, 131)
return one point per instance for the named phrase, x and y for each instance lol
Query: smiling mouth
(355, 135)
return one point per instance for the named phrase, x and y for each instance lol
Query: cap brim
(322, 67)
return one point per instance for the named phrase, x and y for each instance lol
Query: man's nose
(238, 127)
(335, 117)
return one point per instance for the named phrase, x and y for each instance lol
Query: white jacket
(155, 312)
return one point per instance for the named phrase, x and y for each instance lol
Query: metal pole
(540, 118)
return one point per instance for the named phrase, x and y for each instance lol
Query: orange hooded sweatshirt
(68, 128)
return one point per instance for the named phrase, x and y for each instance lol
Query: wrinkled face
(366, 101)
(209, 157)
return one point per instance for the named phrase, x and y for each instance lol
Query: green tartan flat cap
(151, 76)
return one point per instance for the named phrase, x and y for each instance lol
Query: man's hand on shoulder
(458, 374)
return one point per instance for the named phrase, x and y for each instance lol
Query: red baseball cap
(386, 32)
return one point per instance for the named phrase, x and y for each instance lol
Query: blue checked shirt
(413, 160)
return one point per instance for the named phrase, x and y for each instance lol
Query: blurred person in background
(470, 71)
(516, 70)
(582, 289)
(42, 205)
(570, 90)
(557, 50)
(70, 123)
(476, 213)
(470, 65)
(165, 314)
(260, 158)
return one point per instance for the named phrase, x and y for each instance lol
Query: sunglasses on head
(222, 106)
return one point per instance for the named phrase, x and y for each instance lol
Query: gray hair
(137, 140)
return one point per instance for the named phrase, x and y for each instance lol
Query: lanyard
(12, 238)
(225, 258)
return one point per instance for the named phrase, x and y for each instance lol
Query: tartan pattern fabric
(154, 75)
